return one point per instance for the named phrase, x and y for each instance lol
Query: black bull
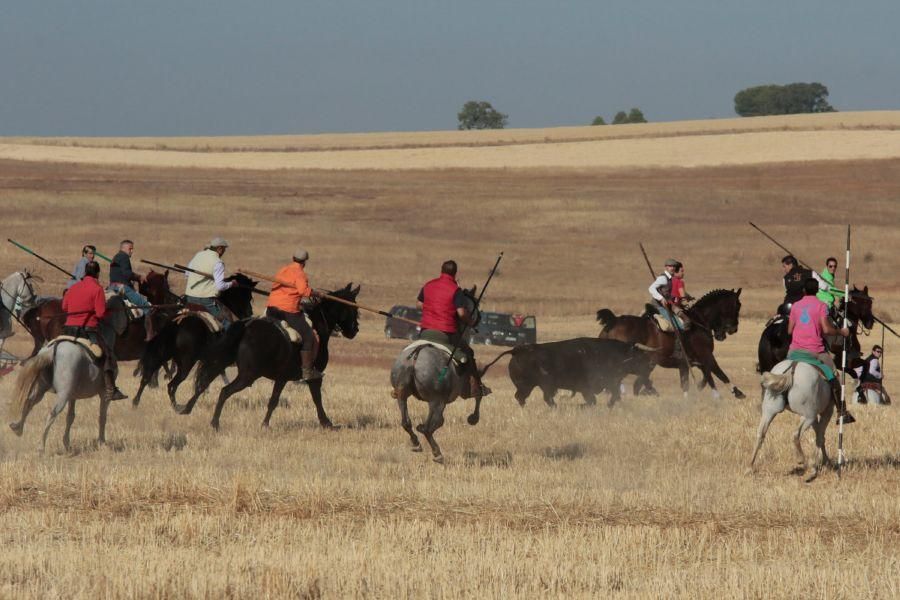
(583, 365)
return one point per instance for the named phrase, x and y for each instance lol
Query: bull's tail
(606, 318)
(31, 371)
(777, 383)
(490, 364)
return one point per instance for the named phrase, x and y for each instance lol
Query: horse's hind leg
(434, 422)
(769, 410)
(54, 412)
(36, 395)
(476, 414)
(549, 393)
(805, 424)
(273, 401)
(402, 403)
(70, 418)
(232, 388)
(819, 427)
(181, 373)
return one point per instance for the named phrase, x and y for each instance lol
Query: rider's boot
(841, 406)
(110, 391)
(307, 358)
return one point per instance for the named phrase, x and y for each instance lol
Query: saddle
(95, 350)
(663, 323)
(412, 351)
(210, 321)
(291, 334)
(134, 313)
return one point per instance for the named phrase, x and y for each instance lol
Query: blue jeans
(131, 294)
(669, 317)
(213, 307)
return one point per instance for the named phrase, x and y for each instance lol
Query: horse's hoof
(812, 476)
(421, 429)
(739, 394)
(473, 419)
(215, 425)
(416, 448)
(439, 459)
(265, 426)
(182, 410)
(329, 426)
(17, 428)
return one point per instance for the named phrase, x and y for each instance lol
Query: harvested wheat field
(650, 498)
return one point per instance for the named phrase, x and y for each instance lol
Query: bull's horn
(646, 348)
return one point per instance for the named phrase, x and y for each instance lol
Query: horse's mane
(713, 295)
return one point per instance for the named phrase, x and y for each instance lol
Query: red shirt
(677, 290)
(440, 298)
(87, 299)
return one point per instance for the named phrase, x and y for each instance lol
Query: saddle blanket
(135, 312)
(416, 347)
(94, 349)
(811, 359)
(210, 321)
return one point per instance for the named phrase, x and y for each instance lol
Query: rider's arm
(827, 327)
(420, 299)
(661, 280)
(99, 303)
(875, 368)
(459, 302)
(823, 285)
(219, 277)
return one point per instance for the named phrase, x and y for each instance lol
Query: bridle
(15, 297)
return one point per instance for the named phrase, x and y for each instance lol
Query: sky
(183, 67)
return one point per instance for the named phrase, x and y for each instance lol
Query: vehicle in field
(503, 329)
(395, 328)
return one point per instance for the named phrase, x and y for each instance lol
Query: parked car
(504, 330)
(395, 328)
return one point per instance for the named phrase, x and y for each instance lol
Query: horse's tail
(606, 318)
(220, 354)
(490, 364)
(777, 383)
(30, 372)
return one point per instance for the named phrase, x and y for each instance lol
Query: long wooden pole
(330, 297)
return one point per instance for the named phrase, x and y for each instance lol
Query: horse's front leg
(718, 372)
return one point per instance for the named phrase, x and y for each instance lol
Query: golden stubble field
(648, 499)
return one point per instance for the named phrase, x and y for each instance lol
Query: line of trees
(793, 98)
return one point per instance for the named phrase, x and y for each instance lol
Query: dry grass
(763, 140)
(649, 499)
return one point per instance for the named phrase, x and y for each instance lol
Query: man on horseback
(661, 291)
(443, 309)
(121, 277)
(87, 255)
(807, 323)
(795, 277)
(204, 291)
(285, 305)
(85, 304)
(830, 294)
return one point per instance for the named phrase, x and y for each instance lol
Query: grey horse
(802, 390)
(16, 295)
(424, 374)
(69, 370)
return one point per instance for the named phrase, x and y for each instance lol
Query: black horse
(714, 316)
(261, 349)
(775, 341)
(185, 340)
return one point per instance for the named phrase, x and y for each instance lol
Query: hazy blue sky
(167, 67)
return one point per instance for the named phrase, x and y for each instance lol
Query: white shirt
(875, 368)
(662, 280)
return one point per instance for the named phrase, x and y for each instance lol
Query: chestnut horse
(715, 315)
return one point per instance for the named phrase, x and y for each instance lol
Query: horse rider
(204, 291)
(288, 293)
(870, 371)
(831, 294)
(795, 277)
(85, 304)
(443, 307)
(120, 277)
(87, 255)
(661, 291)
(807, 322)
(680, 296)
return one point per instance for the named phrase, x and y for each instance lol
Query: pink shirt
(806, 315)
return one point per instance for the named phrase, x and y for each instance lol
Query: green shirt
(828, 296)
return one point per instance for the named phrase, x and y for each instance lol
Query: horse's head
(18, 288)
(470, 303)
(339, 316)
(860, 307)
(720, 311)
(155, 287)
(239, 299)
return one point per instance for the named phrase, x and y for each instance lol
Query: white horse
(16, 295)
(802, 390)
(69, 370)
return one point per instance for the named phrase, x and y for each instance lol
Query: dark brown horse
(715, 315)
(775, 341)
(45, 321)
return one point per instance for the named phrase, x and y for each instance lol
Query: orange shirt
(287, 297)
